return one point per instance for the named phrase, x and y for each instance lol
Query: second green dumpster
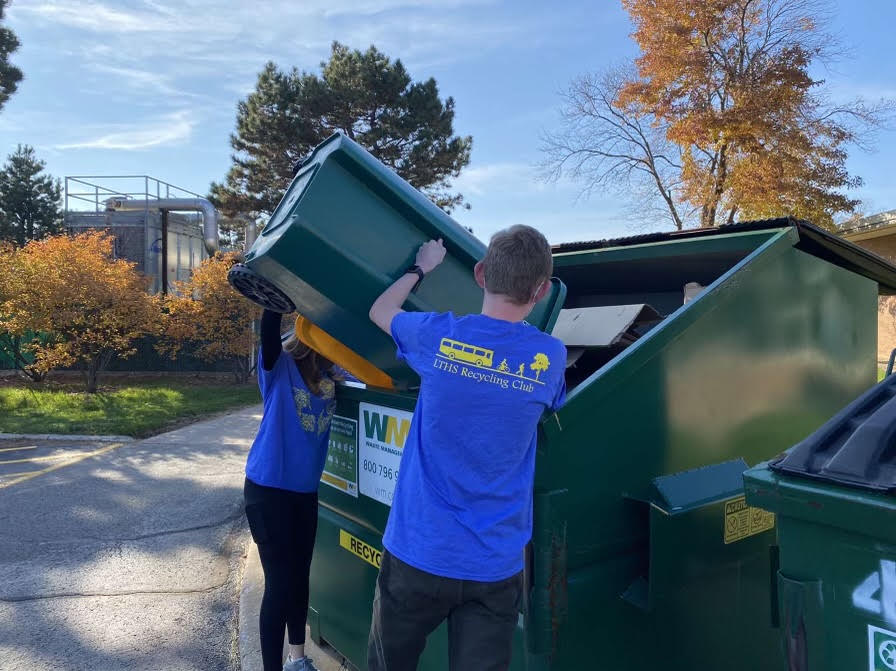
(833, 497)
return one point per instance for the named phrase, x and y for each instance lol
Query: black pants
(409, 604)
(283, 525)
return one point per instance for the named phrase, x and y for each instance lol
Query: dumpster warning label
(360, 549)
(742, 521)
(881, 649)
(341, 469)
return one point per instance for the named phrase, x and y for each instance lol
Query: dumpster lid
(811, 239)
(680, 492)
(857, 447)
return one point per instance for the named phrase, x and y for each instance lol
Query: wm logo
(386, 428)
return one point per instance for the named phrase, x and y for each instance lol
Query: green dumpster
(833, 498)
(692, 357)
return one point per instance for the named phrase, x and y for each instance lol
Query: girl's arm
(270, 338)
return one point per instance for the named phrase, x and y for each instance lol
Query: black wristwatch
(418, 271)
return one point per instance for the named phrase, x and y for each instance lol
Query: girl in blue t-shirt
(282, 474)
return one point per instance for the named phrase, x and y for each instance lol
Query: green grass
(130, 408)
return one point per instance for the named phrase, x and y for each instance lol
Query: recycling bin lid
(856, 447)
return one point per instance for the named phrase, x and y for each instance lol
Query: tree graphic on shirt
(540, 363)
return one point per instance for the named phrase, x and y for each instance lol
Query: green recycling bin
(833, 498)
(345, 229)
(692, 356)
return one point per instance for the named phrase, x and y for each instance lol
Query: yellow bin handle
(325, 344)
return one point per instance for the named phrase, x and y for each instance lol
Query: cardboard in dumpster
(603, 326)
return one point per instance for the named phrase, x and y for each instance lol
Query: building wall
(138, 238)
(886, 328)
(884, 246)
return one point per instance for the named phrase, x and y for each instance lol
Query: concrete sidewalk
(252, 590)
(130, 559)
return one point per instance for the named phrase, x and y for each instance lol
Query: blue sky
(151, 86)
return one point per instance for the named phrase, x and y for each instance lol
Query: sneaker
(301, 664)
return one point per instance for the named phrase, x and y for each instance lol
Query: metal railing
(85, 193)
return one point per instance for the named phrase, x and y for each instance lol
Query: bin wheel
(259, 290)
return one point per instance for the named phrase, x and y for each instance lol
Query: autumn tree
(373, 99)
(30, 201)
(207, 314)
(10, 75)
(88, 305)
(15, 346)
(722, 117)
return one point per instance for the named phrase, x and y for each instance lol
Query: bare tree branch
(603, 145)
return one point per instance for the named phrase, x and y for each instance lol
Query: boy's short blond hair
(517, 262)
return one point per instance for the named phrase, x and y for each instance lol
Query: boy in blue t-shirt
(462, 511)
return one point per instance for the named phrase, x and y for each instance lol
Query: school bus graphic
(454, 349)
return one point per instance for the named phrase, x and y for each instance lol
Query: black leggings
(283, 525)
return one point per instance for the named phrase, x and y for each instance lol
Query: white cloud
(170, 129)
(141, 80)
(481, 179)
(98, 17)
(219, 38)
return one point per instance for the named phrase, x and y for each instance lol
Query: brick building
(877, 234)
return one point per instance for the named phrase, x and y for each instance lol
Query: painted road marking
(50, 457)
(13, 449)
(81, 456)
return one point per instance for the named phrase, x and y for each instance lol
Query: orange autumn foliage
(208, 314)
(719, 119)
(731, 81)
(87, 305)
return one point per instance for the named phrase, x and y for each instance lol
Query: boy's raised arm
(390, 301)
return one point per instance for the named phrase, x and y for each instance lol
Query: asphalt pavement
(124, 555)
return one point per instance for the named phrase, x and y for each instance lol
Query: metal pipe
(164, 276)
(209, 214)
(251, 233)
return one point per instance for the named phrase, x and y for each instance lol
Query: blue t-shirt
(290, 449)
(463, 504)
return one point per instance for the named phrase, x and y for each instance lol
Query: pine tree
(10, 75)
(405, 124)
(30, 206)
